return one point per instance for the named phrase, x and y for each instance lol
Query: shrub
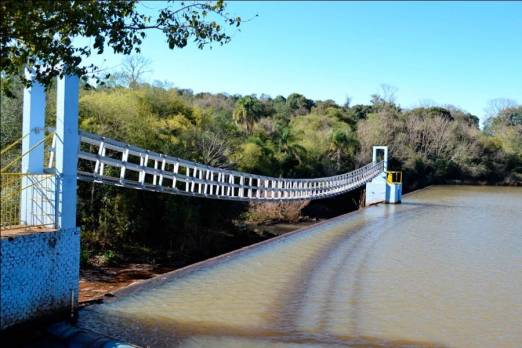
(270, 212)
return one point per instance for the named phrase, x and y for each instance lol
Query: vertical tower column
(376, 189)
(384, 150)
(33, 130)
(67, 150)
(384, 188)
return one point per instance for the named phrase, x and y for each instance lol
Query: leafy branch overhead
(46, 35)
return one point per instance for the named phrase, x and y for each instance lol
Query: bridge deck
(109, 161)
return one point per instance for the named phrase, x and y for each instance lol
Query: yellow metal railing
(393, 177)
(10, 189)
(27, 199)
(37, 208)
(12, 145)
(18, 159)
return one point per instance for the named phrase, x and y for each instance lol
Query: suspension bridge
(39, 185)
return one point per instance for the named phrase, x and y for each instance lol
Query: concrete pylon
(40, 269)
(67, 150)
(380, 189)
(376, 189)
(33, 130)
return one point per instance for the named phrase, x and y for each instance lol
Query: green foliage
(506, 128)
(437, 144)
(298, 104)
(251, 157)
(85, 255)
(247, 111)
(330, 143)
(41, 34)
(289, 137)
(359, 112)
(11, 115)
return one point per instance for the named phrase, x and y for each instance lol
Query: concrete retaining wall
(39, 275)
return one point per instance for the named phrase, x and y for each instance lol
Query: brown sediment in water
(96, 282)
(169, 332)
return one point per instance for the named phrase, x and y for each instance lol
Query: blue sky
(462, 54)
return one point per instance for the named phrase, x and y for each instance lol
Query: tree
(495, 106)
(322, 106)
(459, 114)
(133, 69)
(359, 112)
(11, 116)
(211, 148)
(299, 104)
(42, 35)
(385, 98)
(286, 145)
(506, 129)
(280, 107)
(342, 149)
(347, 102)
(247, 111)
(389, 93)
(502, 112)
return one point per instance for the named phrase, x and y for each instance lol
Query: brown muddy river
(444, 269)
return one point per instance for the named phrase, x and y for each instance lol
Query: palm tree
(247, 112)
(342, 148)
(291, 152)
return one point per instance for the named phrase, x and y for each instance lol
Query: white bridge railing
(116, 163)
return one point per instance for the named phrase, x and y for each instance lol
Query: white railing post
(154, 176)
(175, 171)
(211, 185)
(97, 167)
(124, 159)
(242, 186)
(163, 164)
(187, 178)
(200, 186)
(194, 176)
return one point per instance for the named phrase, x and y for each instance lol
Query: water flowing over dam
(444, 269)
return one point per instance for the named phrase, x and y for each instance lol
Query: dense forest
(288, 136)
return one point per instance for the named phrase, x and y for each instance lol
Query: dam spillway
(440, 270)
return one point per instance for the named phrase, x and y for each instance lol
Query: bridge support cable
(108, 161)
